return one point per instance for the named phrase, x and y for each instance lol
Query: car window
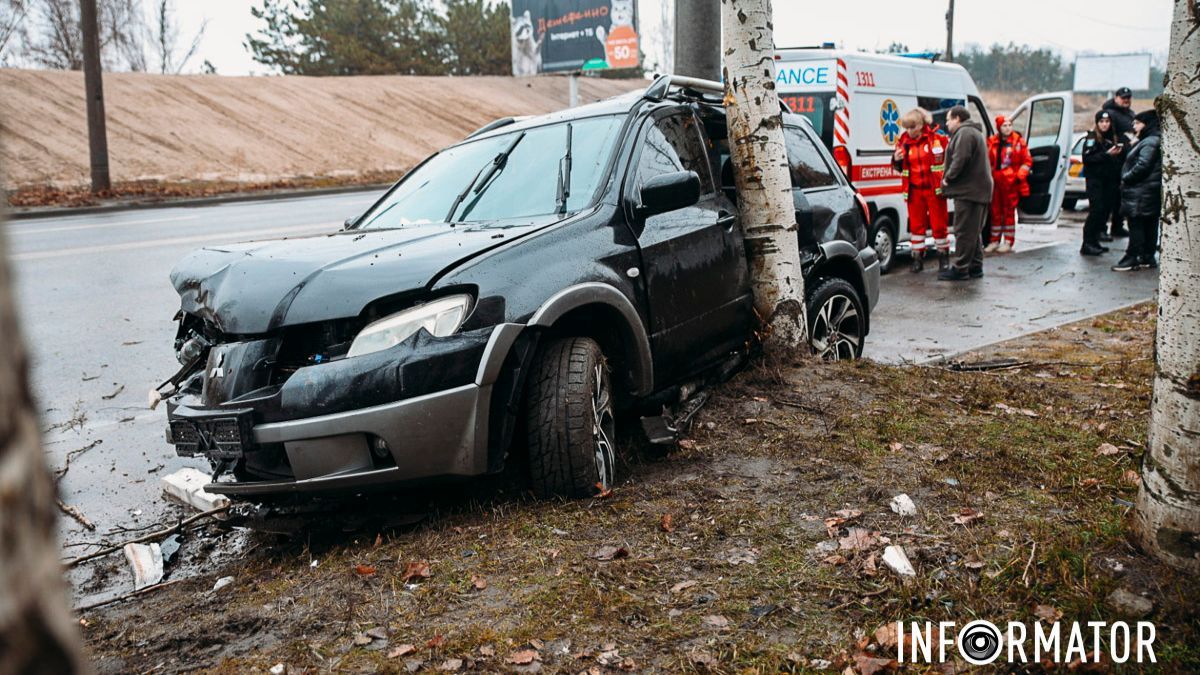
(1045, 123)
(975, 107)
(938, 107)
(527, 186)
(671, 144)
(806, 165)
(1078, 148)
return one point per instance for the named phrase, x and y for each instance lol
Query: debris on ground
(1129, 605)
(187, 486)
(75, 514)
(903, 505)
(222, 583)
(895, 558)
(147, 563)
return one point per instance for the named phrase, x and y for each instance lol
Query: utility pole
(698, 39)
(948, 57)
(94, 87)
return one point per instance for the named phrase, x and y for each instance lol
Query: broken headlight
(440, 317)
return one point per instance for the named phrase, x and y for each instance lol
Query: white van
(855, 100)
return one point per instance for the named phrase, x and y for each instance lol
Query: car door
(693, 262)
(824, 206)
(1046, 122)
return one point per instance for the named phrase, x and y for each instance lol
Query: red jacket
(1017, 161)
(923, 161)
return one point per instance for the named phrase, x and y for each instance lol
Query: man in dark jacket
(1141, 193)
(1120, 110)
(968, 180)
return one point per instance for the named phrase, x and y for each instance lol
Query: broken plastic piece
(187, 485)
(658, 430)
(147, 563)
(895, 558)
(903, 504)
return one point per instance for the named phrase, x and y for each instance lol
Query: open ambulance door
(1047, 122)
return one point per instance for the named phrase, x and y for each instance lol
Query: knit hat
(1149, 117)
(1000, 120)
(1102, 115)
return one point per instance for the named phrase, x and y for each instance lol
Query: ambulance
(855, 100)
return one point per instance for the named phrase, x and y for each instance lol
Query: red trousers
(1005, 195)
(927, 210)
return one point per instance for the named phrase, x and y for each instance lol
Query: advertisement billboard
(553, 36)
(1109, 73)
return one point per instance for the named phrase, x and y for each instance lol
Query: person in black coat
(1103, 156)
(1141, 193)
(1120, 108)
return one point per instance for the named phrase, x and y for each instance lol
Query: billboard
(551, 36)
(1109, 73)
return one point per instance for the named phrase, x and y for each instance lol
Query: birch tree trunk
(1167, 516)
(37, 632)
(764, 184)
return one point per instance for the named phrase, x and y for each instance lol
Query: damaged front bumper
(416, 411)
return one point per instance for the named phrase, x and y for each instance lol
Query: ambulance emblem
(889, 121)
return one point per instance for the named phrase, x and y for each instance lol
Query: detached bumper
(409, 438)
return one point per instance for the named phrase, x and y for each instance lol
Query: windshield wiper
(564, 175)
(481, 179)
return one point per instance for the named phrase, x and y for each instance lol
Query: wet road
(1042, 284)
(97, 311)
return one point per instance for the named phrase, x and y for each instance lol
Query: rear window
(813, 106)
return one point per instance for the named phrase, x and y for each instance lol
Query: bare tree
(764, 184)
(37, 632)
(1167, 516)
(54, 39)
(12, 17)
(165, 38)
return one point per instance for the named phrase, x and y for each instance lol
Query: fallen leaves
(436, 641)
(401, 650)
(415, 570)
(478, 583)
(602, 492)
(1131, 477)
(524, 657)
(715, 621)
(858, 539)
(1108, 449)
(365, 571)
(1047, 613)
(683, 586)
(666, 523)
(610, 553)
(966, 516)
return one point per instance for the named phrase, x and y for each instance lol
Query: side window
(975, 107)
(1046, 122)
(808, 168)
(673, 144)
(938, 107)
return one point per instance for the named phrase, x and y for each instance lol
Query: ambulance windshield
(812, 105)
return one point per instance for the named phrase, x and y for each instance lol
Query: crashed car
(505, 298)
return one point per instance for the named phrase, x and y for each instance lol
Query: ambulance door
(1046, 121)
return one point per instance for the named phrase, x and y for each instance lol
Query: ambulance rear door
(1046, 121)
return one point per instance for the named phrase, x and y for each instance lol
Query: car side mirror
(669, 192)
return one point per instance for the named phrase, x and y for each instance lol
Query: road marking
(91, 226)
(221, 237)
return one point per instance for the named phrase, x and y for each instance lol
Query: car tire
(570, 420)
(837, 322)
(883, 240)
(1069, 203)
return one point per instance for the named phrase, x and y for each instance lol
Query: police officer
(1120, 110)
(1103, 155)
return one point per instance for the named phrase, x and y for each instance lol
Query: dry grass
(773, 454)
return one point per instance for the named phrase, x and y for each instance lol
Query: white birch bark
(1167, 515)
(761, 173)
(37, 632)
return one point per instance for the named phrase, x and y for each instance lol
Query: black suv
(513, 290)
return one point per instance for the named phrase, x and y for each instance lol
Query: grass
(775, 452)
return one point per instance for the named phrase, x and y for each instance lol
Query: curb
(35, 212)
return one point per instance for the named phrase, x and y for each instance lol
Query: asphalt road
(97, 313)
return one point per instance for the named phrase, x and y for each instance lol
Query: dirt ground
(757, 547)
(203, 131)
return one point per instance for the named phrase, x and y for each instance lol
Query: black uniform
(1102, 172)
(1141, 193)
(1122, 118)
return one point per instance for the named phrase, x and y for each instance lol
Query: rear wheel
(837, 325)
(883, 240)
(570, 420)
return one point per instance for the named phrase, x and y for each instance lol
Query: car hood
(258, 287)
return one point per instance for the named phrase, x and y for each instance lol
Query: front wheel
(570, 420)
(837, 323)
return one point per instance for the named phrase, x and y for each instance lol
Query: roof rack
(494, 124)
(662, 85)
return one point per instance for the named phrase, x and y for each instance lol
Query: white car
(1076, 185)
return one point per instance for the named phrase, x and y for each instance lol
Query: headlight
(441, 317)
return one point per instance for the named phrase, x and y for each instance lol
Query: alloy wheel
(837, 329)
(603, 427)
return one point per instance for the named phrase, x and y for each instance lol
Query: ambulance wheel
(883, 239)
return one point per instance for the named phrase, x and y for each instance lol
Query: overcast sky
(1070, 26)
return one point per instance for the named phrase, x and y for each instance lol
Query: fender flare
(840, 249)
(632, 330)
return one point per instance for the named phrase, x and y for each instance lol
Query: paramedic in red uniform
(1011, 163)
(919, 156)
